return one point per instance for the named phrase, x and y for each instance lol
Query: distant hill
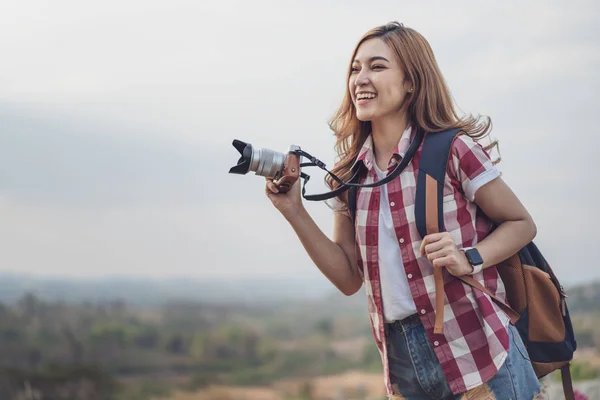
(584, 298)
(301, 295)
(146, 291)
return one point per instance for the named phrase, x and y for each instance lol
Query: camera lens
(263, 162)
(266, 162)
(243, 164)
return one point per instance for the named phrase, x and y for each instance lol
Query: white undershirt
(395, 292)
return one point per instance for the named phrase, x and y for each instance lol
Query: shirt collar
(366, 154)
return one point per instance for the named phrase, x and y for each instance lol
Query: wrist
(465, 261)
(474, 259)
(295, 213)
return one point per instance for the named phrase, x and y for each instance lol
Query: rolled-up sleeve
(471, 165)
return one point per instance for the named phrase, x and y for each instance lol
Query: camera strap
(353, 182)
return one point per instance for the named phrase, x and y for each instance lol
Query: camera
(283, 168)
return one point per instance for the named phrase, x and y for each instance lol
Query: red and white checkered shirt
(474, 342)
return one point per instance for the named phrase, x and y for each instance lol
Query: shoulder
(464, 144)
(470, 165)
(469, 157)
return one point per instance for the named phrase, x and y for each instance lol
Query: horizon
(116, 142)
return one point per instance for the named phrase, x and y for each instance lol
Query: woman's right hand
(336, 259)
(289, 203)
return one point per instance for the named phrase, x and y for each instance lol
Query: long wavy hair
(429, 107)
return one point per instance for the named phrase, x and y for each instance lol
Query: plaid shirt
(474, 343)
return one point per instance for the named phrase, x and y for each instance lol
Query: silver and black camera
(283, 168)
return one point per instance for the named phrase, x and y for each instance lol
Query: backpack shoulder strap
(352, 194)
(429, 215)
(432, 169)
(352, 197)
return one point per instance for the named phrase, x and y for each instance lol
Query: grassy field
(359, 385)
(181, 350)
(348, 385)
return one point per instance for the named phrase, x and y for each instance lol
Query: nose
(361, 78)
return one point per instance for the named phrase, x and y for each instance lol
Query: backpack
(536, 299)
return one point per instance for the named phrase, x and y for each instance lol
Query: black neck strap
(353, 182)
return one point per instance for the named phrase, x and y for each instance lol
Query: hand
(289, 203)
(442, 252)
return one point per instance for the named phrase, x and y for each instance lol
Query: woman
(394, 89)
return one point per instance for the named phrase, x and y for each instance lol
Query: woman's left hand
(442, 252)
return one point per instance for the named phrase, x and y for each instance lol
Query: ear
(408, 86)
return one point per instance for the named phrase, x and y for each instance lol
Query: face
(376, 83)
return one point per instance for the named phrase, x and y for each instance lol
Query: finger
(272, 187)
(433, 247)
(432, 238)
(268, 179)
(437, 254)
(443, 240)
(424, 243)
(447, 261)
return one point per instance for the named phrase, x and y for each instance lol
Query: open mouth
(363, 98)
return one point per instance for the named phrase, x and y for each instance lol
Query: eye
(354, 69)
(378, 67)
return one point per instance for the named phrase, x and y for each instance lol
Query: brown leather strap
(439, 300)
(431, 216)
(431, 223)
(565, 373)
(431, 205)
(432, 226)
(512, 314)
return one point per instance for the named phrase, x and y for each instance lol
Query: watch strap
(476, 268)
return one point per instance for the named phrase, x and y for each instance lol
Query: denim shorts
(417, 374)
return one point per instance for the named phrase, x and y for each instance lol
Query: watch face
(474, 257)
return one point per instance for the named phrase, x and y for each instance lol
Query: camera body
(284, 169)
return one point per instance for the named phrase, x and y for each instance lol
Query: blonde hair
(429, 108)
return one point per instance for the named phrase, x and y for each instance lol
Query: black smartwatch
(474, 259)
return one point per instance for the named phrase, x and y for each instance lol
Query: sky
(117, 117)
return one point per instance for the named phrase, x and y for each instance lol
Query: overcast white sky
(116, 122)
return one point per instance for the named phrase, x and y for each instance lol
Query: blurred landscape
(176, 340)
(146, 271)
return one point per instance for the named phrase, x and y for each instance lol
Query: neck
(386, 133)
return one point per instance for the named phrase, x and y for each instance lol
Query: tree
(75, 346)
(175, 344)
(325, 327)
(146, 338)
(29, 306)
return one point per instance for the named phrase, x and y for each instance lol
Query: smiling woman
(396, 92)
(389, 73)
(374, 74)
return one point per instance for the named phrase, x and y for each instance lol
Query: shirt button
(409, 276)
(436, 343)
(392, 204)
(423, 311)
(401, 240)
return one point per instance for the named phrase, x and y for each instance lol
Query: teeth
(365, 96)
